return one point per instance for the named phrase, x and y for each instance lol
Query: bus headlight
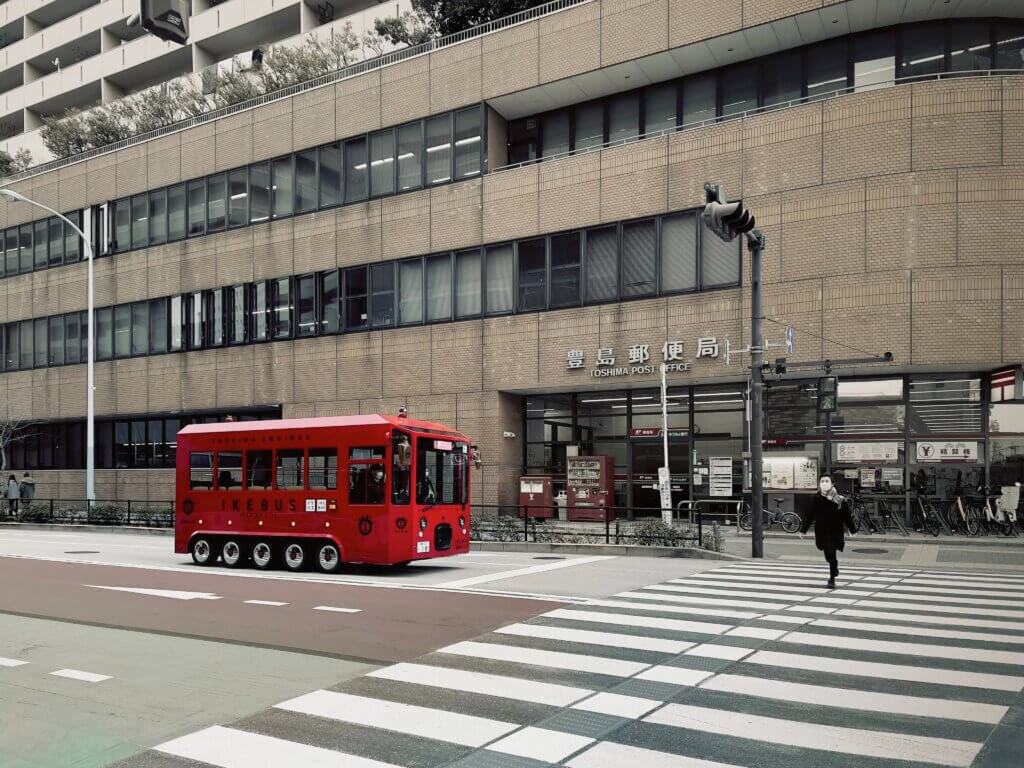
(462, 522)
(423, 523)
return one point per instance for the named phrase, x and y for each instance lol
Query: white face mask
(825, 485)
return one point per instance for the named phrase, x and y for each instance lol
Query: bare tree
(13, 431)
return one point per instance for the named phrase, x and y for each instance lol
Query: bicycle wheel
(791, 522)
(931, 524)
(746, 520)
(973, 521)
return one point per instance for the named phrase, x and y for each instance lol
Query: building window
(104, 334)
(25, 247)
(382, 163)
(639, 259)
(439, 149)
(589, 125)
(522, 140)
(970, 46)
(410, 292)
(922, 50)
(158, 217)
(177, 323)
(439, 288)
(200, 465)
(282, 315)
(72, 240)
(330, 176)
(306, 288)
(532, 258)
(305, 181)
(290, 473)
(122, 330)
(196, 208)
(355, 170)
(874, 61)
(11, 359)
(283, 187)
(237, 323)
(259, 193)
(679, 253)
(323, 468)
(140, 328)
(467, 284)
(555, 133)
(72, 339)
(215, 334)
(157, 326)
(217, 207)
(468, 143)
(624, 117)
(699, 97)
(122, 225)
(782, 78)
(382, 300)
(499, 269)
(258, 470)
(720, 261)
(739, 86)
(41, 240)
(660, 108)
(1009, 45)
(355, 298)
(330, 302)
(826, 68)
(197, 324)
(56, 227)
(56, 356)
(565, 270)
(259, 311)
(238, 200)
(176, 228)
(41, 344)
(11, 251)
(155, 440)
(25, 344)
(410, 156)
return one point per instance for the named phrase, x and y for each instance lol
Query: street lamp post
(90, 409)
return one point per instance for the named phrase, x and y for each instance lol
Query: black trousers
(833, 562)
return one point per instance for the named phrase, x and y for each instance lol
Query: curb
(619, 550)
(138, 530)
(940, 541)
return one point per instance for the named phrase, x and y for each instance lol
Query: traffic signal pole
(755, 243)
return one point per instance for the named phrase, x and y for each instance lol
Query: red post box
(536, 497)
(591, 481)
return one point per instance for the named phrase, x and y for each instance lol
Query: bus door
(366, 522)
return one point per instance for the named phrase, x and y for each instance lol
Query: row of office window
(858, 62)
(634, 259)
(424, 153)
(127, 443)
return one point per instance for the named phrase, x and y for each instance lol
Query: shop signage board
(928, 452)
(893, 476)
(788, 472)
(656, 432)
(639, 359)
(867, 477)
(720, 477)
(876, 452)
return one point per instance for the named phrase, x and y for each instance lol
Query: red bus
(268, 492)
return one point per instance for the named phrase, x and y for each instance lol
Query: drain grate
(548, 557)
(870, 551)
(82, 552)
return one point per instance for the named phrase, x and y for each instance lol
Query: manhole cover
(82, 552)
(871, 551)
(542, 557)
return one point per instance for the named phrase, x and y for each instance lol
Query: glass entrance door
(645, 457)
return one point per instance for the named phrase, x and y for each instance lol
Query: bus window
(229, 471)
(401, 452)
(366, 475)
(289, 469)
(441, 472)
(200, 476)
(259, 470)
(323, 468)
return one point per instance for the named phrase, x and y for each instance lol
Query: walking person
(28, 489)
(12, 492)
(830, 514)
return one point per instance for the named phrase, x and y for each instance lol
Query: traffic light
(725, 219)
(827, 386)
(166, 19)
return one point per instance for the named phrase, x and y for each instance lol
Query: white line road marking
(173, 594)
(810, 609)
(11, 662)
(923, 618)
(808, 583)
(783, 619)
(530, 570)
(612, 639)
(630, 620)
(956, 588)
(467, 730)
(266, 602)
(833, 600)
(229, 748)
(541, 744)
(826, 696)
(607, 754)
(944, 598)
(598, 665)
(909, 649)
(674, 675)
(715, 651)
(334, 609)
(960, 610)
(661, 608)
(769, 591)
(77, 674)
(887, 671)
(853, 741)
(617, 705)
(700, 601)
(900, 629)
(480, 682)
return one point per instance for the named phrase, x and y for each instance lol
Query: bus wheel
(294, 556)
(262, 555)
(231, 553)
(328, 558)
(202, 552)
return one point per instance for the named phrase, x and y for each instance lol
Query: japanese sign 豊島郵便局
(935, 451)
(637, 358)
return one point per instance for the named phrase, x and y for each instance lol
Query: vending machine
(536, 497)
(591, 484)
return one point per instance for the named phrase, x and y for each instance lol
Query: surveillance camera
(510, 435)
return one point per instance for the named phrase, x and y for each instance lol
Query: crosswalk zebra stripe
(902, 629)
(886, 671)
(852, 741)
(909, 649)
(480, 682)
(716, 651)
(467, 730)
(951, 592)
(768, 581)
(231, 748)
(599, 665)
(924, 618)
(943, 599)
(721, 586)
(612, 639)
(810, 609)
(541, 744)
(617, 705)
(847, 698)
(634, 620)
(951, 609)
(607, 754)
(784, 619)
(674, 675)
(701, 601)
(802, 578)
(756, 633)
(659, 608)
(833, 600)
(11, 662)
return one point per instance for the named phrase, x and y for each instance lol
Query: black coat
(828, 520)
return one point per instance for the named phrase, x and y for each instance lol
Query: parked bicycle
(962, 518)
(925, 517)
(790, 521)
(862, 516)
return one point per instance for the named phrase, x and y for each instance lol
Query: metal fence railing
(137, 514)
